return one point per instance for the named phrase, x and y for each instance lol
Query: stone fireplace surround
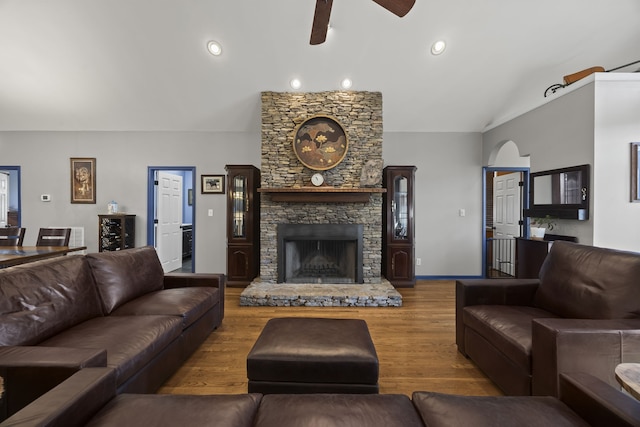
(360, 113)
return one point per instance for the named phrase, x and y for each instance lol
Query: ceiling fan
(323, 12)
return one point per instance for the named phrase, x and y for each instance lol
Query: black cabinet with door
(243, 224)
(398, 234)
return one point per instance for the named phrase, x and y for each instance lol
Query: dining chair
(53, 237)
(11, 236)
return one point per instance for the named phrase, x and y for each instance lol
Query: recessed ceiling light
(214, 48)
(438, 47)
(295, 84)
(346, 83)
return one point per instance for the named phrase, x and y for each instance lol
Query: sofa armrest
(490, 292)
(30, 371)
(598, 403)
(595, 346)
(183, 280)
(71, 403)
(39, 356)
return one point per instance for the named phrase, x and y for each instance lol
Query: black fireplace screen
(320, 253)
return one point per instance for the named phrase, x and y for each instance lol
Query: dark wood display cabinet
(243, 224)
(116, 232)
(398, 234)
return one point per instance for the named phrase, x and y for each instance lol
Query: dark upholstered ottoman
(312, 355)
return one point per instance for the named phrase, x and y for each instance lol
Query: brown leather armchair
(582, 314)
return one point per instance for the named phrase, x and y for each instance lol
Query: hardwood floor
(415, 345)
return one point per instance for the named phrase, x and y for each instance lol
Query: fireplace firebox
(320, 253)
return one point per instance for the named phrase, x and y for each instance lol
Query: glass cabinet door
(240, 206)
(399, 208)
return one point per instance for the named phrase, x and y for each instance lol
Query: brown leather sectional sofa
(89, 398)
(112, 309)
(581, 315)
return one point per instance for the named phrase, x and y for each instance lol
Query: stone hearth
(381, 294)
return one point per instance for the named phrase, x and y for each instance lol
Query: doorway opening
(506, 195)
(10, 202)
(171, 216)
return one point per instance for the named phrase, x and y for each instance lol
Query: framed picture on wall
(212, 184)
(83, 180)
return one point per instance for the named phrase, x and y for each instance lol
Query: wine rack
(116, 232)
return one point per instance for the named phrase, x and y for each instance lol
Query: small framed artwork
(212, 184)
(83, 180)
(635, 171)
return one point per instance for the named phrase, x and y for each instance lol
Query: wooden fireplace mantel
(323, 194)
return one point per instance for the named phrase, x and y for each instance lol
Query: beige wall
(448, 245)
(123, 159)
(592, 122)
(557, 134)
(449, 178)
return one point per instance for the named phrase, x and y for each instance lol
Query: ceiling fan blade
(397, 7)
(321, 21)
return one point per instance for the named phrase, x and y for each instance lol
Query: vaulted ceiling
(143, 64)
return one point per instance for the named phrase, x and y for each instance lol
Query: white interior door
(169, 216)
(506, 221)
(4, 199)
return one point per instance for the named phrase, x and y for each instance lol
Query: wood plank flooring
(415, 345)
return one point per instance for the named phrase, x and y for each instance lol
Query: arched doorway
(505, 195)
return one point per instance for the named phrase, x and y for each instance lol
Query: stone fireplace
(360, 113)
(320, 253)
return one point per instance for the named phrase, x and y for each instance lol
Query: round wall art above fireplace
(320, 143)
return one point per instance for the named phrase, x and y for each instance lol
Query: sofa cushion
(447, 410)
(131, 341)
(188, 303)
(508, 327)
(370, 410)
(40, 299)
(178, 410)
(124, 275)
(586, 282)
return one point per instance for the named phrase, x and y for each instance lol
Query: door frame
(19, 189)
(524, 202)
(151, 204)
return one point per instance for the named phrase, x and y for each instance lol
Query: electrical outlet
(210, 213)
(462, 212)
(418, 261)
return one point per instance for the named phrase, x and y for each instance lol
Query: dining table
(15, 255)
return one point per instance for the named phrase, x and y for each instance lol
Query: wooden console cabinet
(243, 224)
(398, 233)
(530, 254)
